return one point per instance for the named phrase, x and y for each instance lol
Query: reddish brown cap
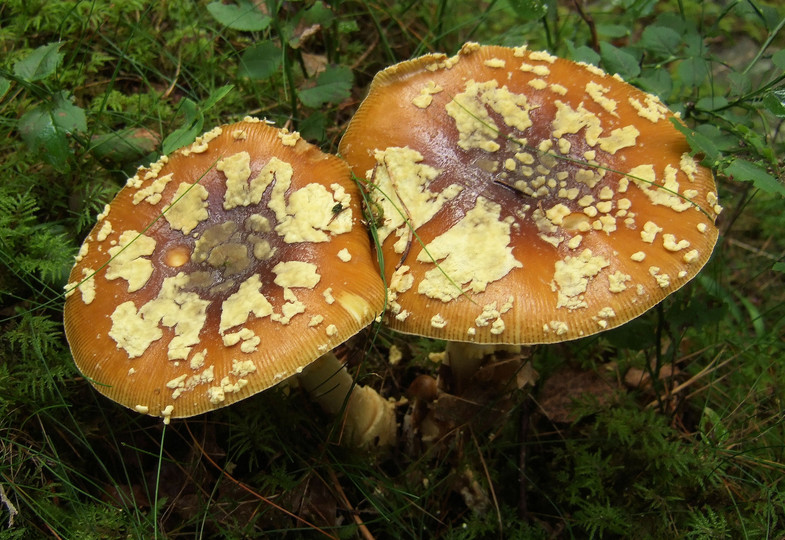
(523, 198)
(219, 271)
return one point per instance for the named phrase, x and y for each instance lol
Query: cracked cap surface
(219, 271)
(522, 198)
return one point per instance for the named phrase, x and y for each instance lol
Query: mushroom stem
(369, 418)
(465, 359)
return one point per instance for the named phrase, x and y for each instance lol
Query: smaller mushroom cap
(219, 271)
(523, 198)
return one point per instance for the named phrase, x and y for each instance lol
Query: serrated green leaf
(661, 41)
(585, 54)
(332, 85)
(313, 127)
(68, 117)
(40, 63)
(260, 61)
(529, 9)
(723, 141)
(39, 133)
(675, 22)
(619, 61)
(774, 102)
(656, 81)
(740, 83)
(745, 171)
(779, 267)
(45, 129)
(711, 103)
(699, 143)
(693, 71)
(695, 47)
(5, 84)
(319, 13)
(244, 16)
(306, 23)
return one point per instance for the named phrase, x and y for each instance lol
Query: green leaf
(778, 59)
(260, 61)
(779, 267)
(740, 83)
(67, 117)
(45, 129)
(217, 95)
(756, 318)
(619, 61)
(40, 63)
(774, 101)
(124, 146)
(675, 22)
(332, 85)
(347, 27)
(693, 71)
(585, 54)
(656, 81)
(306, 23)
(319, 13)
(711, 103)
(639, 8)
(758, 141)
(244, 16)
(700, 144)
(722, 140)
(313, 127)
(5, 84)
(194, 121)
(613, 30)
(529, 9)
(661, 41)
(745, 171)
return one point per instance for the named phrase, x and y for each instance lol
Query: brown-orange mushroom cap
(522, 198)
(219, 271)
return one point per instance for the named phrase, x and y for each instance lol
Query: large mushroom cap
(523, 198)
(220, 271)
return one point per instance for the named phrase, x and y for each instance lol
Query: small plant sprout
(220, 271)
(527, 199)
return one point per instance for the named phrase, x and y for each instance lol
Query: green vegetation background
(89, 90)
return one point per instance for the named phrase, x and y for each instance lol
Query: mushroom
(220, 271)
(522, 198)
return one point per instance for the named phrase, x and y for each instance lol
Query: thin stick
(366, 533)
(158, 483)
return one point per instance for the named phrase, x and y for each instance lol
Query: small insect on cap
(523, 198)
(219, 271)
